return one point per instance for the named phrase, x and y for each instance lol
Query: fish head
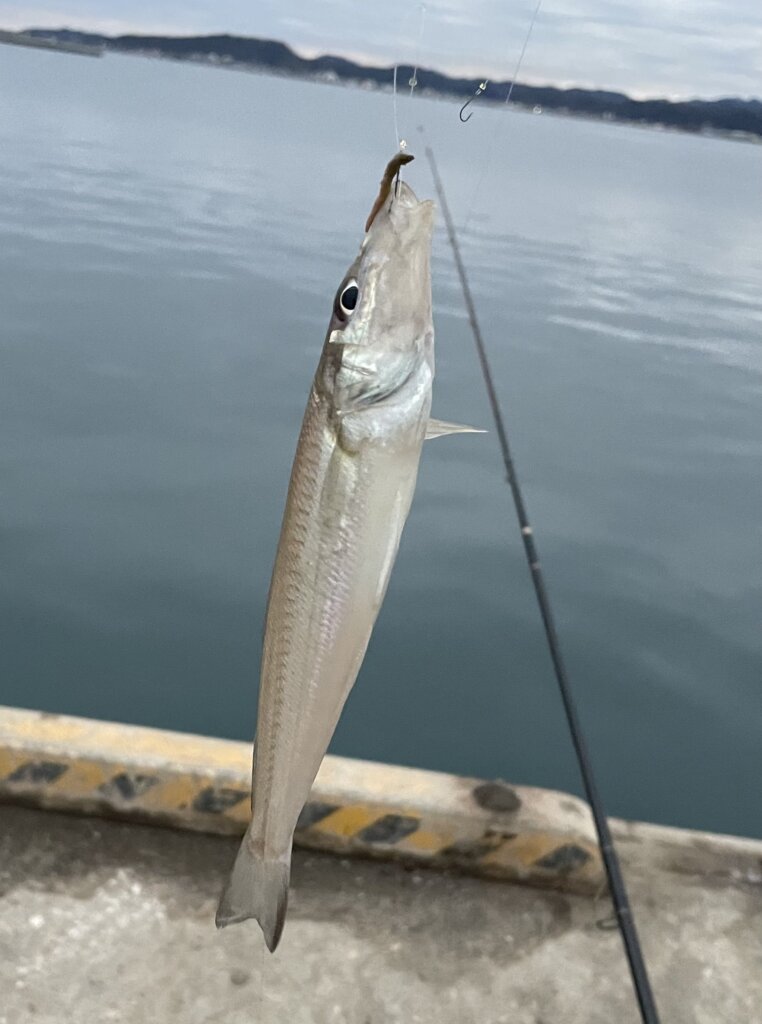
(383, 304)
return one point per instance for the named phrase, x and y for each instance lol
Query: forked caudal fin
(256, 888)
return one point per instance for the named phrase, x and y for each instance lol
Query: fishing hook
(460, 112)
(470, 100)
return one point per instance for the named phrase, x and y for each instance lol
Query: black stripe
(314, 812)
(389, 829)
(564, 860)
(38, 771)
(126, 786)
(472, 849)
(216, 801)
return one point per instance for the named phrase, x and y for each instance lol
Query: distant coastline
(45, 43)
(730, 117)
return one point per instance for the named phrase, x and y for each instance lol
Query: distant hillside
(735, 116)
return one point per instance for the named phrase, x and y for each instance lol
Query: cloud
(650, 47)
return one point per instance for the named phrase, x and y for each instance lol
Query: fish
(352, 483)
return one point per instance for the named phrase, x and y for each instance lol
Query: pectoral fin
(439, 428)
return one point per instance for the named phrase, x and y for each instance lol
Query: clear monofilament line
(520, 61)
(491, 153)
(414, 78)
(399, 141)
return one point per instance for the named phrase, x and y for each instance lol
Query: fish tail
(258, 888)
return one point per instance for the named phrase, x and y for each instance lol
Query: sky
(674, 48)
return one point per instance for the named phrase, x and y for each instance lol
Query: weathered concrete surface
(108, 922)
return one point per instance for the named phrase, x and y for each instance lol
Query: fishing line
(487, 163)
(520, 61)
(414, 79)
(617, 888)
(399, 142)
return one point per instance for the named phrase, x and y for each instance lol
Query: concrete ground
(109, 922)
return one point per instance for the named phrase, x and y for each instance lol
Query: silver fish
(351, 486)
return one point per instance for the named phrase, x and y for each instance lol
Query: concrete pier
(112, 921)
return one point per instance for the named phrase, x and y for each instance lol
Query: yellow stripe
(82, 778)
(347, 821)
(425, 841)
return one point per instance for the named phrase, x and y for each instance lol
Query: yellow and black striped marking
(487, 828)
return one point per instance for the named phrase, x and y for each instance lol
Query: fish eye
(346, 300)
(348, 297)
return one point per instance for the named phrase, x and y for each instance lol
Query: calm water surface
(170, 240)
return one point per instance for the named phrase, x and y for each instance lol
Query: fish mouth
(392, 170)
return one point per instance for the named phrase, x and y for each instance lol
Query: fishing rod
(618, 890)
